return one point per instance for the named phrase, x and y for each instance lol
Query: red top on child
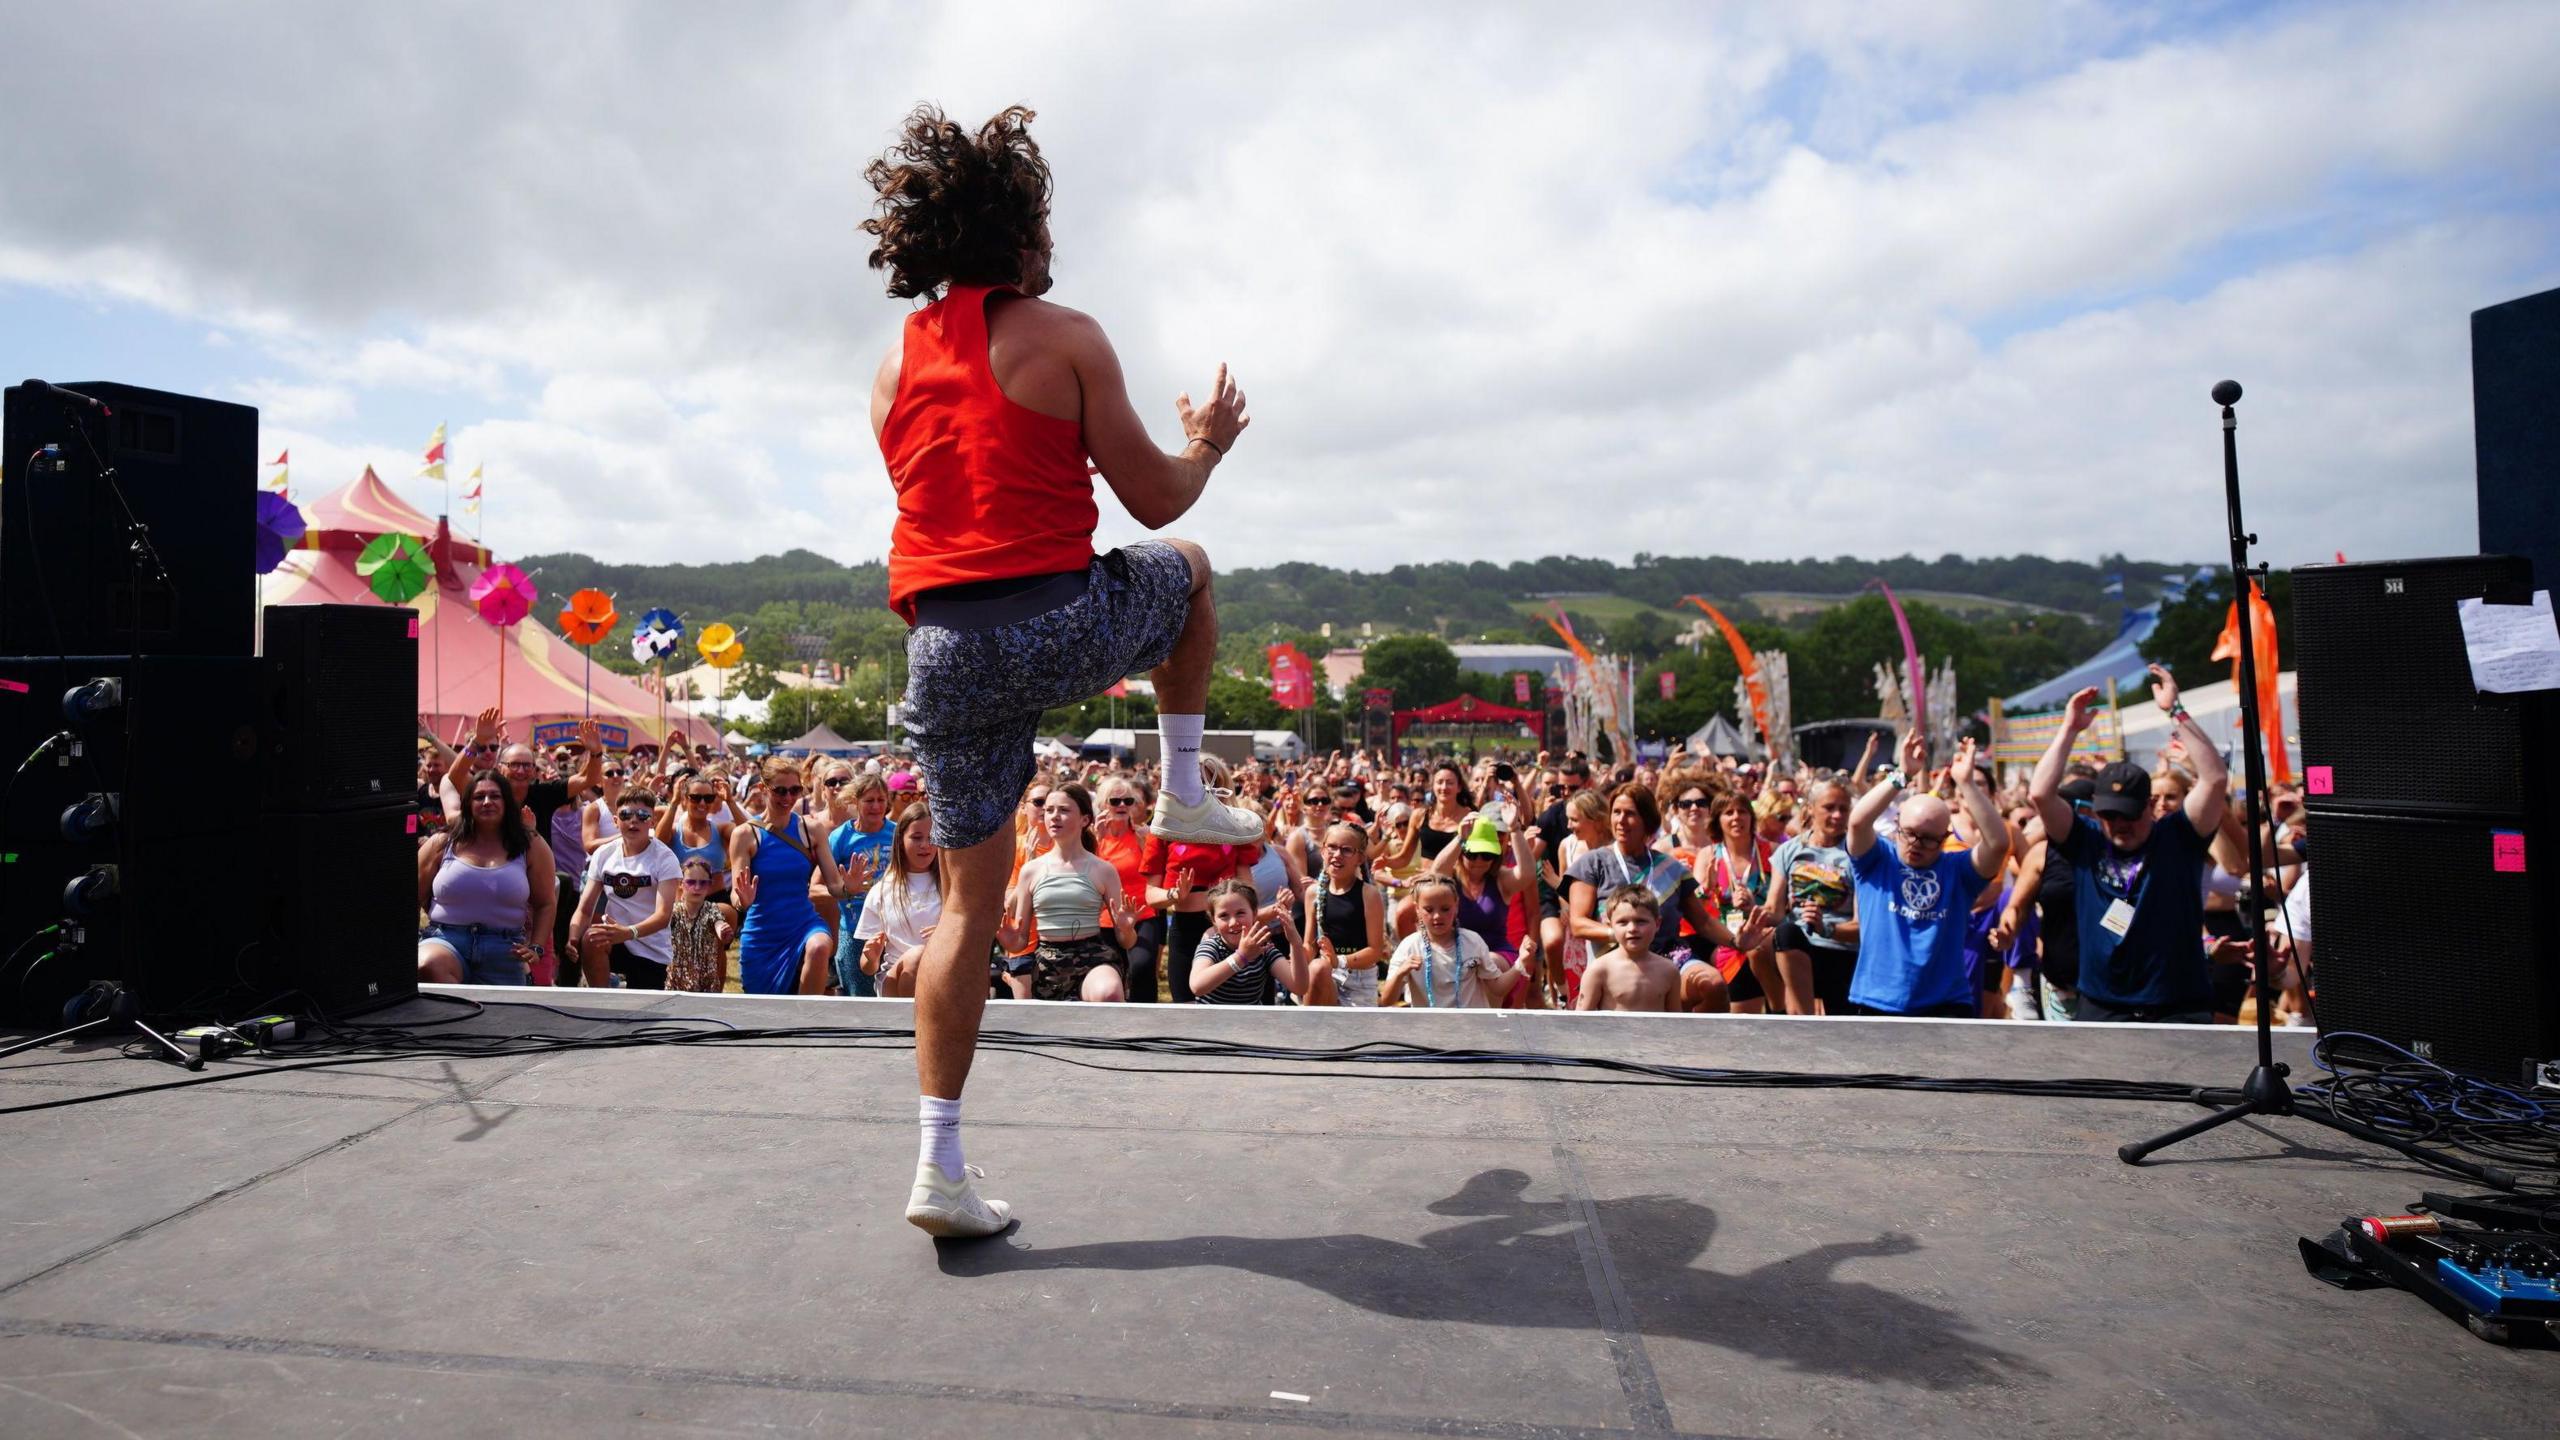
(987, 489)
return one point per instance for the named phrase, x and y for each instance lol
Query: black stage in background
(599, 1243)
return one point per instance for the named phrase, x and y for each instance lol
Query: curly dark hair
(957, 209)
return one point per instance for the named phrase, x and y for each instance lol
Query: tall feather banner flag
(1910, 659)
(1749, 664)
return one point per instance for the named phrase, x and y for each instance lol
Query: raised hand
(1221, 420)
(1177, 881)
(591, 737)
(2080, 709)
(742, 888)
(1255, 940)
(484, 727)
(1755, 928)
(1960, 769)
(1914, 753)
(857, 874)
(2164, 688)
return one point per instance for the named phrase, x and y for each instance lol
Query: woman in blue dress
(786, 946)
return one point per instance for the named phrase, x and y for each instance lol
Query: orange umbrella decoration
(588, 619)
(720, 649)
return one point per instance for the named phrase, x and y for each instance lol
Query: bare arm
(2211, 793)
(1156, 488)
(1991, 847)
(2046, 788)
(1872, 805)
(430, 859)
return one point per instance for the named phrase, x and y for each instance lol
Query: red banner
(1380, 698)
(1292, 678)
(1520, 689)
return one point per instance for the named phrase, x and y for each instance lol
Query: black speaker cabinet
(342, 706)
(189, 469)
(163, 872)
(2437, 934)
(2515, 411)
(339, 918)
(2390, 721)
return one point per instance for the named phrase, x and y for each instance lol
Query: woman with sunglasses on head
(699, 932)
(786, 947)
(904, 905)
(630, 896)
(1119, 842)
(485, 887)
(861, 841)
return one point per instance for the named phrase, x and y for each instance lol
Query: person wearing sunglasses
(630, 896)
(542, 799)
(786, 946)
(487, 889)
(701, 931)
(861, 841)
(1915, 896)
(696, 824)
(1120, 841)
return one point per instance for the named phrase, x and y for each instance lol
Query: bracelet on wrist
(1212, 444)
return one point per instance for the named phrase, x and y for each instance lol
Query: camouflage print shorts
(1064, 964)
(975, 696)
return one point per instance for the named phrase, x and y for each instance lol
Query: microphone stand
(2265, 1092)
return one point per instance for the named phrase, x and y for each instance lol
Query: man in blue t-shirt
(1914, 897)
(2139, 877)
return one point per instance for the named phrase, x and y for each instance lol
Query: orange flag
(1743, 657)
(2262, 637)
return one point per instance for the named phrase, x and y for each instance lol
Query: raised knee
(1197, 558)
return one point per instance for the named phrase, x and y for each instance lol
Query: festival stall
(459, 650)
(1467, 713)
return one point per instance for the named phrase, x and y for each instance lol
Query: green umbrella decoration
(396, 566)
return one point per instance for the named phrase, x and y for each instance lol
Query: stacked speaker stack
(2432, 837)
(209, 827)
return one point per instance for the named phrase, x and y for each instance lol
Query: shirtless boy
(1631, 977)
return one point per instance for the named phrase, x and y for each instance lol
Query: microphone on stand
(92, 401)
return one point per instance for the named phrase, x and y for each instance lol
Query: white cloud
(1765, 280)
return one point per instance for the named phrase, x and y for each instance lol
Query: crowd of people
(1700, 884)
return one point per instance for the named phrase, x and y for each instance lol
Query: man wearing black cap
(2138, 882)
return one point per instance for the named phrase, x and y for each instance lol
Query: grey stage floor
(709, 1242)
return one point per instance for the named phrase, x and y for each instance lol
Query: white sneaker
(1210, 822)
(953, 1209)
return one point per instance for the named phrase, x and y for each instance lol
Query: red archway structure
(1468, 710)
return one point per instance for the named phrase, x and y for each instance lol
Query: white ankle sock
(940, 1121)
(1182, 756)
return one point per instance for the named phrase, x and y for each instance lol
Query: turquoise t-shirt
(1911, 929)
(845, 842)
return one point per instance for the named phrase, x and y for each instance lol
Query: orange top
(987, 488)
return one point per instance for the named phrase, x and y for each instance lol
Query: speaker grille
(2420, 940)
(2388, 712)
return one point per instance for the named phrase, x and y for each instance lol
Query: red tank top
(987, 489)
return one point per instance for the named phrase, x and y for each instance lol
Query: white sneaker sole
(950, 1225)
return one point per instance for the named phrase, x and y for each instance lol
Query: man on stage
(987, 411)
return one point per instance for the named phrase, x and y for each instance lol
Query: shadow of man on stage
(1521, 1262)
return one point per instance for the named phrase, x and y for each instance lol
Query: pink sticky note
(413, 822)
(2316, 779)
(413, 627)
(2506, 851)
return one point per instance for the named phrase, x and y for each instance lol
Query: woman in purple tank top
(485, 887)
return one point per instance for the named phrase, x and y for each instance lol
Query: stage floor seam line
(202, 1203)
(1648, 1411)
(462, 1361)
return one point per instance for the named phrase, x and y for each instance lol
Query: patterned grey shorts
(974, 697)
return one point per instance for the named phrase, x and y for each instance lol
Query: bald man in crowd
(1913, 896)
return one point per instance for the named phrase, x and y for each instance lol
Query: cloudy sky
(1501, 281)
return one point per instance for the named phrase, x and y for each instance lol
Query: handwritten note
(2514, 648)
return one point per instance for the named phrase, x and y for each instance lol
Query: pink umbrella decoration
(504, 595)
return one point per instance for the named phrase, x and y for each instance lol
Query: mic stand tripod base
(2264, 1093)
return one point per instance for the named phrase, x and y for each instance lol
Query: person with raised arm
(994, 409)
(1914, 896)
(2138, 902)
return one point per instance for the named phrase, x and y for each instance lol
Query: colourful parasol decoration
(654, 638)
(504, 595)
(396, 567)
(280, 527)
(587, 620)
(589, 617)
(720, 649)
